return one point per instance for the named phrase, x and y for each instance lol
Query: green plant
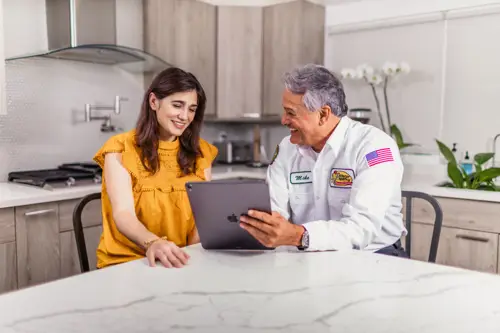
(480, 179)
(396, 133)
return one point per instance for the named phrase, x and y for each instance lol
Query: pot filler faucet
(495, 148)
(106, 126)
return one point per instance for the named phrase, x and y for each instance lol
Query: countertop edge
(15, 195)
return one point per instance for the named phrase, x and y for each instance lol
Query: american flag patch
(379, 156)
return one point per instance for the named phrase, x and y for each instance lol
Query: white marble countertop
(278, 291)
(12, 195)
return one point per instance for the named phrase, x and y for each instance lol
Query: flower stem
(386, 100)
(378, 107)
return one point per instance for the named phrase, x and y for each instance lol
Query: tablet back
(217, 206)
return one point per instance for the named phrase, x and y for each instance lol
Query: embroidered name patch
(341, 178)
(301, 177)
(379, 156)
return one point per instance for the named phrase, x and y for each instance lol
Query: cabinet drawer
(462, 248)
(457, 213)
(7, 225)
(91, 215)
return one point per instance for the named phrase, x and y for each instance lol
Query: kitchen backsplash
(45, 124)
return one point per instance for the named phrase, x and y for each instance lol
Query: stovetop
(64, 176)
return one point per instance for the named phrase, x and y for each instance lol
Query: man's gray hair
(319, 86)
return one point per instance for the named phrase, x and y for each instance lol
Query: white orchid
(364, 71)
(378, 77)
(404, 68)
(348, 73)
(375, 79)
(390, 68)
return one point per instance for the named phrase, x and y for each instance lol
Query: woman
(145, 207)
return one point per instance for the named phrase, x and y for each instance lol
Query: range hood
(85, 30)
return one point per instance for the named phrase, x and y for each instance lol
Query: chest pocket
(301, 197)
(337, 199)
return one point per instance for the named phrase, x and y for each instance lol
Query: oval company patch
(341, 178)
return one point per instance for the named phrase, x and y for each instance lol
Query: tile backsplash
(45, 126)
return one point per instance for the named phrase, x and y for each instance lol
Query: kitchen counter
(17, 195)
(278, 291)
(12, 195)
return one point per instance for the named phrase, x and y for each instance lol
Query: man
(338, 181)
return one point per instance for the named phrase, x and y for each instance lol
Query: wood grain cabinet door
(37, 238)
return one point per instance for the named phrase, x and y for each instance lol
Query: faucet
(106, 125)
(495, 148)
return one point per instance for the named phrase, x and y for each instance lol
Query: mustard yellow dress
(161, 201)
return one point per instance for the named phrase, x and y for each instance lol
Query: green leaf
(446, 153)
(397, 135)
(478, 168)
(489, 174)
(404, 145)
(455, 175)
(482, 158)
(488, 188)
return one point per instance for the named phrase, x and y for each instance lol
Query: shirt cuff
(323, 236)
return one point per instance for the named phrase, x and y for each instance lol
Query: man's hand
(271, 230)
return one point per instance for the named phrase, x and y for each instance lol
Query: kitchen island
(278, 291)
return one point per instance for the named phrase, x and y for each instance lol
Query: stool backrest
(438, 221)
(78, 228)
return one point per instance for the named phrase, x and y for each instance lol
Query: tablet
(217, 206)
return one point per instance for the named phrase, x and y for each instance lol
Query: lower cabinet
(8, 267)
(37, 242)
(462, 248)
(470, 234)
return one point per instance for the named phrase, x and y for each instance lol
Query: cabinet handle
(474, 238)
(40, 212)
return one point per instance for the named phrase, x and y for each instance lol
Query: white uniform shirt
(348, 196)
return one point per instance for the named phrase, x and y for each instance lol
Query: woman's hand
(169, 254)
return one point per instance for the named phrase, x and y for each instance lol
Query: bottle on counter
(467, 165)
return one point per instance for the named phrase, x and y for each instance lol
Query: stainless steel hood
(85, 30)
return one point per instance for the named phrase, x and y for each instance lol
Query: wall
(45, 98)
(453, 91)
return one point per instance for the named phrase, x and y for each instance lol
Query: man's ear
(324, 114)
(154, 103)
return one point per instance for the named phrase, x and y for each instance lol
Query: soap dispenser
(467, 165)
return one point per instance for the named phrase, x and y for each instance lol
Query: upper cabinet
(239, 61)
(183, 33)
(293, 35)
(239, 53)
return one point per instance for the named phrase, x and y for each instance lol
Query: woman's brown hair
(170, 81)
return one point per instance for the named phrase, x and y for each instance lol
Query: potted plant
(377, 78)
(480, 179)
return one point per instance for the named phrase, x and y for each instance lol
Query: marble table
(280, 291)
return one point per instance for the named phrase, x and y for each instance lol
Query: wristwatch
(304, 242)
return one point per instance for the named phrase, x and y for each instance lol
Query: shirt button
(317, 197)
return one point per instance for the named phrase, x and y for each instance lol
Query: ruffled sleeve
(122, 143)
(209, 153)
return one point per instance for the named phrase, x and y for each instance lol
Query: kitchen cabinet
(8, 265)
(37, 238)
(183, 33)
(239, 61)
(293, 35)
(239, 53)
(469, 236)
(37, 242)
